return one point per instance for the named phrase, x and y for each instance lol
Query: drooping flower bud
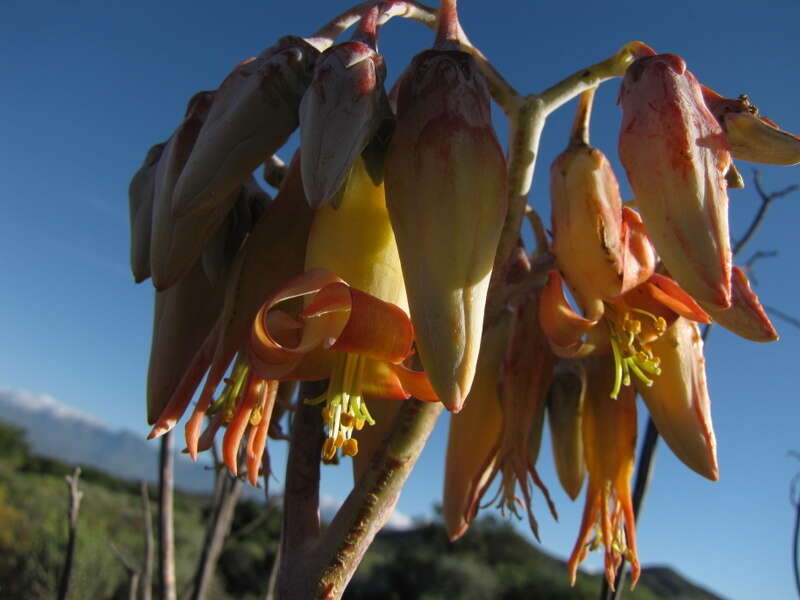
(678, 399)
(676, 157)
(220, 251)
(341, 111)
(140, 206)
(446, 193)
(587, 226)
(170, 165)
(564, 412)
(254, 113)
(272, 254)
(751, 136)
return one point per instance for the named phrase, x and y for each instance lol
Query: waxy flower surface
(447, 219)
(676, 157)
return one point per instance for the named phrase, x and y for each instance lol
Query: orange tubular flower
(528, 370)
(676, 157)
(609, 441)
(356, 335)
(630, 324)
(354, 330)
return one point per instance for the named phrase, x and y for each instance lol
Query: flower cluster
(371, 269)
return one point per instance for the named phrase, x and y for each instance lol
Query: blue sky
(88, 86)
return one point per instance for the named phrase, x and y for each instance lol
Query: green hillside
(491, 561)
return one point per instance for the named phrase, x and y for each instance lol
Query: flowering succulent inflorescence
(379, 284)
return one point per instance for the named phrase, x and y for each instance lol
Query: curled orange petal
(376, 329)
(271, 358)
(563, 327)
(665, 291)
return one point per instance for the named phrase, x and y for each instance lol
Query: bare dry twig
(75, 496)
(149, 545)
(166, 531)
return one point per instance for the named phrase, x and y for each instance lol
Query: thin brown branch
(134, 572)
(73, 508)
(784, 316)
(217, 532)
(166, 531)
(766, 200)
(371, 503)
(149, 546)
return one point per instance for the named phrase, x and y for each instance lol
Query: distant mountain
(63, 432)
(668, 583)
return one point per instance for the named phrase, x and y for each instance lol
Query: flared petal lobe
(676, 157)
(446, 194)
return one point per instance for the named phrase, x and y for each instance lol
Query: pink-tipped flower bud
(339, 114)
(676, 157)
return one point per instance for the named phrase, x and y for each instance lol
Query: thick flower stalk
(676, 157)
(446, 193)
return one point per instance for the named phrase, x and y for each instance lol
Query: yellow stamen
(345, 411)
(631, 355)
(350, 447)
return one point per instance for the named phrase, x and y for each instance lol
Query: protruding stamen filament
(345, 410)
(631, 355)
